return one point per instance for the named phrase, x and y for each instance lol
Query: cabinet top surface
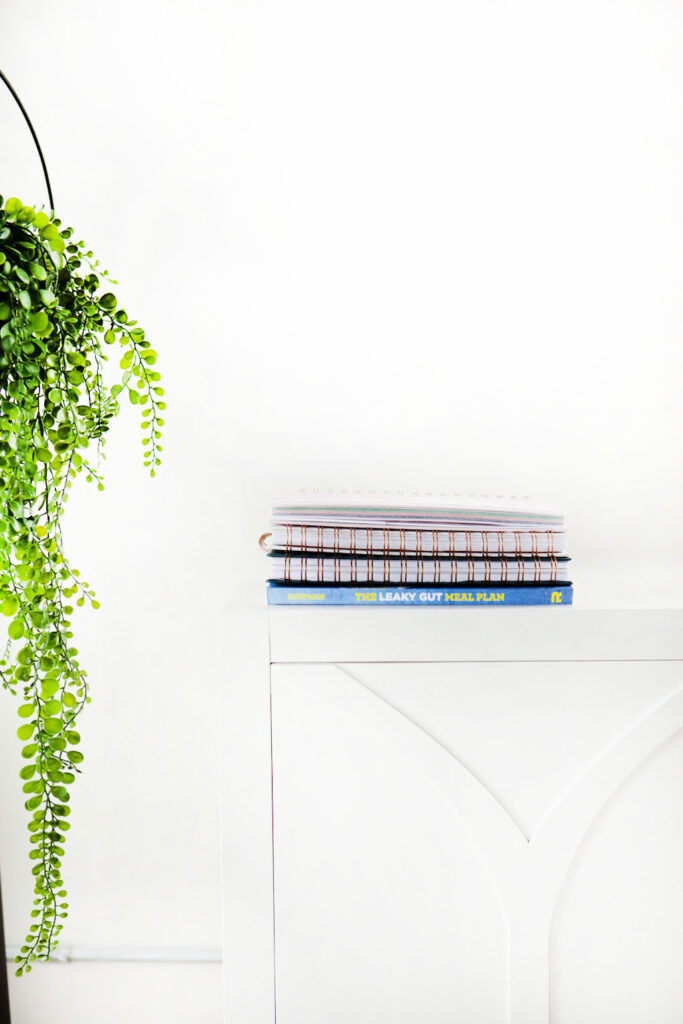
(350, 634)
(473, 634)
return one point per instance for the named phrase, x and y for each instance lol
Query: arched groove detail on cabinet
(458, 783)
(626, 781)
(529, 872)
(658, 711)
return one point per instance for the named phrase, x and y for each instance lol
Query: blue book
(418, 597)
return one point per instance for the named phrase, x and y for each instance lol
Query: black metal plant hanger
(32, 130)
(4, 983)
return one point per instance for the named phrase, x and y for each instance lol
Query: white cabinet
(469, 816)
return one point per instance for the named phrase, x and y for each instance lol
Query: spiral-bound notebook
(303, 568)
(353, 540)
(375, 540)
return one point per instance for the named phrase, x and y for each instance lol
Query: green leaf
(9, 606)
(26, 710)
(24, 732)
(38, 271)
(39, 321)
(108, 301)
(52, 726)
(25, 299)
(16, 629)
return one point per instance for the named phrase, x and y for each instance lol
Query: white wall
(431, 245)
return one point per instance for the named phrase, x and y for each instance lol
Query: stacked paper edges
(373, 552)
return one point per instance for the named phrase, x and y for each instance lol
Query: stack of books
(403, 550)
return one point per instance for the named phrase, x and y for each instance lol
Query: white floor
(111, 993)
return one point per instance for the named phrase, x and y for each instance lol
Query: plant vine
(57, 327)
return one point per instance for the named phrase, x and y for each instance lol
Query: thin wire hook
(22, 108)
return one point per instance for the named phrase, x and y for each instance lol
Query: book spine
(420, 597)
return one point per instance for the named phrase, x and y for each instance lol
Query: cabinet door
(478, 842)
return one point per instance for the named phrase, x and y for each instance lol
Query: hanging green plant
(56, 328)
